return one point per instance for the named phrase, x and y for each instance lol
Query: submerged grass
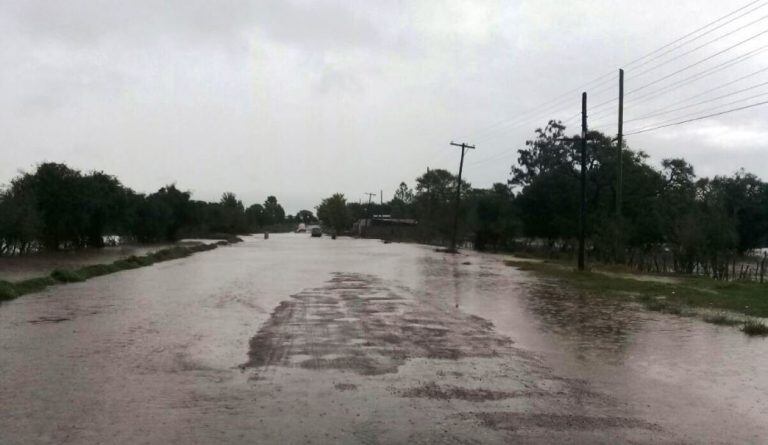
(67, 276)
(755, 328)
(681, 296)
(9, 291)
(723, 319)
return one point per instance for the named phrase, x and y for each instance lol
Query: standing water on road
(310, 340)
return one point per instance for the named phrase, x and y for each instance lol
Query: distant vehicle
(316, 232)
(302, 228)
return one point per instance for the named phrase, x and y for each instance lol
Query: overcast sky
(301, 99)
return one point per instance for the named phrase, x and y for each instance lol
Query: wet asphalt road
(300, 340)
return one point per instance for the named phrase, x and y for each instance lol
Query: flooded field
(302, 340)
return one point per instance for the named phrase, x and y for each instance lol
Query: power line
(644, 130)
(724, 85)
(699, 62)
(702, 45)
(693, 32)
(552, 105)
(522, 119)
(538, 111)
(697, 76)
(659, 113)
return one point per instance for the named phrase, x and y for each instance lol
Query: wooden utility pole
(583, 208)
(464, 147)
(619, 142)
(618, 245)
(370, 195)
(370, 215)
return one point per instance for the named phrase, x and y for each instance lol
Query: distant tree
(179, 204)
(20, 224)
(433, 204)
(231, 216)
(547, 153)
(104, 203)
(401, 205)
(306, 217)
(333, 213)
(355, 211)
(404, 194)
(273, 212)
(494, 220)
(255, 216)
(56, 189)
(745, 200)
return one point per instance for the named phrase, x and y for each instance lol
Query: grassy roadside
(725, 303)
(11, 290)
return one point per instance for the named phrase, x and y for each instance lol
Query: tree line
(58, 207)
(671, 220)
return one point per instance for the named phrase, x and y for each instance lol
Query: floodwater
(304, 340)
(40, 264)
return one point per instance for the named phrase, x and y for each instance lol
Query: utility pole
(619, 228)
(619, 142)
(370, 216)
(464, 147)
(583, 208)
(370, 195)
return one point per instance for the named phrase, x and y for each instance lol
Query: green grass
(97, 270)
(9, 291)
(67, 276)
(32, 285)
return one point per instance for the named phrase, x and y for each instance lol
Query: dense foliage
(667, 213)
(57, 207)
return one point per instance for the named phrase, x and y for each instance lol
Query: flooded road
(301, 340)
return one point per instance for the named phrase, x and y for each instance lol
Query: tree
(273, 212)
(20, 224)
(404, 194)
(255, 217)
(333, 213)
(493, 219)
(745, 200)
(104, 202)
(56, 189)
(305, 217)
(434, 203)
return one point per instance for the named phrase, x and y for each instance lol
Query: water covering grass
(722, 303)
(9, 290)
(755, 327)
